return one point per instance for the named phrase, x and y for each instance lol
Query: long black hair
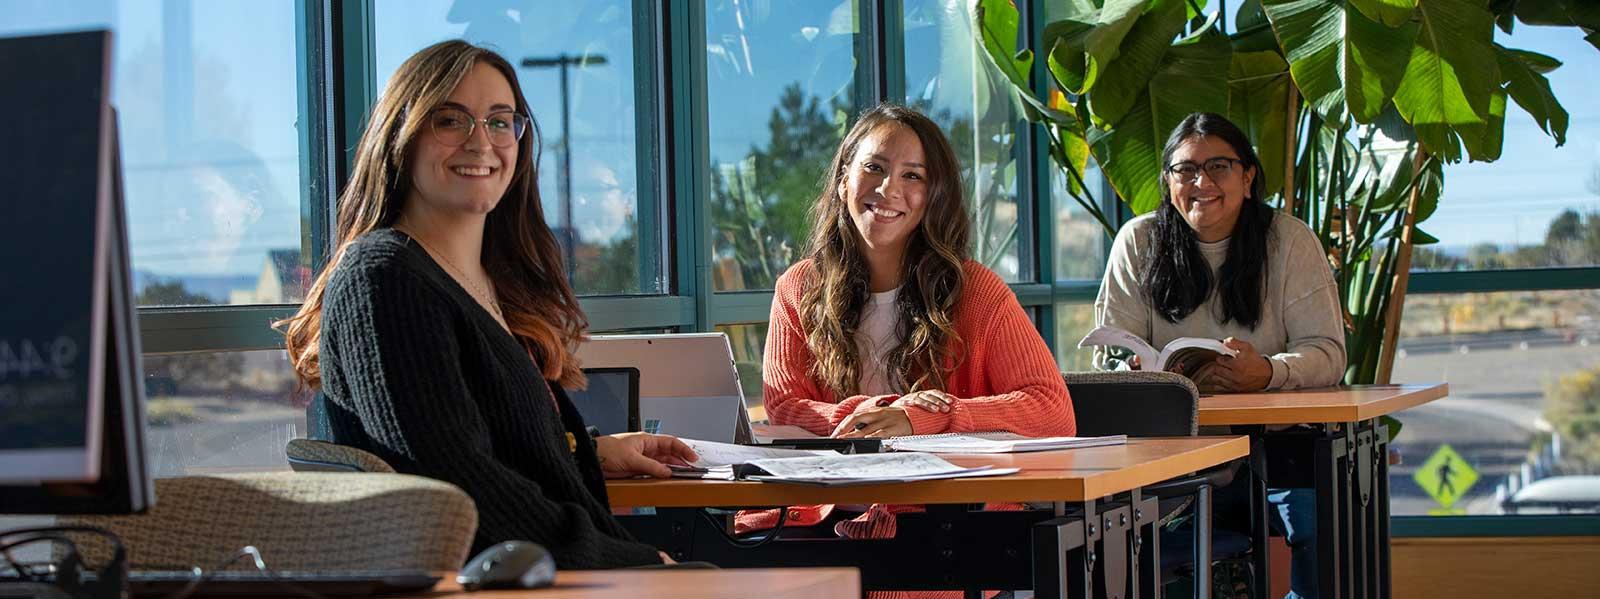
(1177, 276)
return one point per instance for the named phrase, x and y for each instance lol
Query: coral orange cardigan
(1007, 381)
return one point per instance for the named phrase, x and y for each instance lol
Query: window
(1081, 241)
(577, 69)
(1073, 321)
(749, 346)
(220, 412)
(1538, 205)
(1524, 387)
(780, 88)
(950, 79)
(206, 102)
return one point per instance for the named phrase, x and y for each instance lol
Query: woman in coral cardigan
(889, 328)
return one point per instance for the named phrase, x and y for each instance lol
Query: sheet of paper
(867, 465)
(713, 453)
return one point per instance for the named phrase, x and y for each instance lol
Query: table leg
(1147, 545)
(1062, 552)
(1256, 478)
(1117, 528)
(1331, 505)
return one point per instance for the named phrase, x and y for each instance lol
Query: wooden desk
(1344, 458)
(1101, 534)
(768, 583)
(1334, 404)
(1072, 475)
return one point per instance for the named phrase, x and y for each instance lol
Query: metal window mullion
(1484, 281)
(355, 76)
(211, 329)
(319, 154)
(652, 252)
(880, 52)
(686, 155)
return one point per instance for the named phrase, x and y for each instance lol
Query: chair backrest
(306, 521)
(310, 455)
(1134, 403)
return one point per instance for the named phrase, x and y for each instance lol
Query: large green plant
(1353, 106)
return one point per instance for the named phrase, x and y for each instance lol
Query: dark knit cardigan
(415, 371)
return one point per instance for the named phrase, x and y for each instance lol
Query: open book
(1184, 355)
(730, 462)
(995, 442)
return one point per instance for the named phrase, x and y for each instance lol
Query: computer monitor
(688, 383)
(611, 401)
(71, 411)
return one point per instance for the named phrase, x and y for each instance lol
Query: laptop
(611, 402)
(688, 385)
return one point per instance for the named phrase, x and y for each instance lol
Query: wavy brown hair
(932, 274)
(519, 251)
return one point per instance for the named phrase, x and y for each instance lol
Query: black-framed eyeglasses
(1219, 169)
(453, 126)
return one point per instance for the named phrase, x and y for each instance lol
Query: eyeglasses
(1219, 169)
(453, 127)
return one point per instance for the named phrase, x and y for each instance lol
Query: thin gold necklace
(483, 296)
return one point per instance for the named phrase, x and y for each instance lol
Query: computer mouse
(509, 565)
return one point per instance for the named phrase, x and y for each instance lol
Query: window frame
(336, 71)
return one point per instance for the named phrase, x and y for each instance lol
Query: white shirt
(875, 338)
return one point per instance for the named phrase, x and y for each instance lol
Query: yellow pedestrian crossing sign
(1445, 476)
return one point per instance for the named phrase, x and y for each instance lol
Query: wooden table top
(1066, 475)
(769, 583)
(1328, 404)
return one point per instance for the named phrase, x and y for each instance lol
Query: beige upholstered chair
(305, 521)
(310, 455)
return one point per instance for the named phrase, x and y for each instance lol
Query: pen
(860, 425)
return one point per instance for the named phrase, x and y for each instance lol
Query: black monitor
(611, 402)
(71, 411)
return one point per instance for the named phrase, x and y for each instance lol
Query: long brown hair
(932, 274)
(519, 251)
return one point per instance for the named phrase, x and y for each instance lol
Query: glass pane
(749, 341)
(1073, 321)
(1524, 388)
(576, 66)
(1080, 239)
(220, 412)
(1538, 205)
(949, 78)
(780, 79)
(208, 112)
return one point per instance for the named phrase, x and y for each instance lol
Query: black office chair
(1163, 404)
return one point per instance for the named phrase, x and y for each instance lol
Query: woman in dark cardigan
(444, 330)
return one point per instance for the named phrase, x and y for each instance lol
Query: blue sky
(1512, 200)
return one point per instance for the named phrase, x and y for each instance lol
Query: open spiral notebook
(994, 442)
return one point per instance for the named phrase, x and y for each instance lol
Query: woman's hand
(931, 400)
(889, 421)
(1249, 371)
(630, 454)
(667, 559)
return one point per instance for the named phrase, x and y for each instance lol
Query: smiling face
(473, 176)
(886, 188)
(1210, 200)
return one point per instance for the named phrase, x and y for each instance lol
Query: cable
(69, 574)
(783, 516)
(202, 576)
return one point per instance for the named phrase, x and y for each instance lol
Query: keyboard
(247, 583)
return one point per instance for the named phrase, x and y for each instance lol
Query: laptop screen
(611, 403)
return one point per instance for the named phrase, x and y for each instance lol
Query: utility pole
(562, 62)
